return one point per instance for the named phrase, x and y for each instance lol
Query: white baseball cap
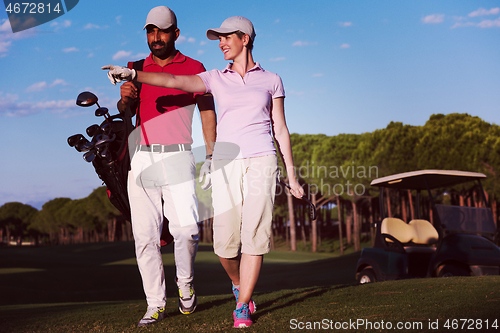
(230, 25)
(162, 17)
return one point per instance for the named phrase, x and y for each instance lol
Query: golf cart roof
(416, 180)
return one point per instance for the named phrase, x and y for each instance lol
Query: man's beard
(162, 53)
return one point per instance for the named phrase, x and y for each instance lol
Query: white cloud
(277, 59)
(191, 40)
(91, 26)
(11, 107)
(482, 12)
(489, 23)
(70, 49)
(5, 26)
(118, 19)
(128, 55)
(318, 75)
(39, 86)
(303, 43)
(121, 55)
(459, 25)
(345, 24)
(484, 24)
(433, 19)
(345, 46)
(58, 82)
(59, 25)
(7, 36)
(4, 46)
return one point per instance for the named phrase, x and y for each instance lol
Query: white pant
(163, 184)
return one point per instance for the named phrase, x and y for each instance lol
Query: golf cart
(459, 242)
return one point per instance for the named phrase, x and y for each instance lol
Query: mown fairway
(97, 288)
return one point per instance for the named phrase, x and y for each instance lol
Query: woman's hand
(119, 74)
(295, 188)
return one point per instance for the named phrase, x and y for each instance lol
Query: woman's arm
(282, 137)
(188, 83)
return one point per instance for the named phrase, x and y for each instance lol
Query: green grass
(97, 288)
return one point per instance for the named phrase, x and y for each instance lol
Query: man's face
(162, 42)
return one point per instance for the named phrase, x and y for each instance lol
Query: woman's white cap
(162, 17)
(230, 25)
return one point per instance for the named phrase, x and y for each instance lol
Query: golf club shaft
(312, 212)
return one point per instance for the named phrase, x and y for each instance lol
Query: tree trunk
(314, 236)
(348, 226)
(373, 232)
(272, 239)
(356, 226)
(303, 226)
(494, 209)
(410, 200)
(291, 218)
(389, 211)
(403, 208)
(341, 238)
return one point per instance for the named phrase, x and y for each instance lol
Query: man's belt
(157, 148)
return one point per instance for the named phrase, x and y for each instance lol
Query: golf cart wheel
(366, 276)
(453, 270)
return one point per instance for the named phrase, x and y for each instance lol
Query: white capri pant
(243, 193)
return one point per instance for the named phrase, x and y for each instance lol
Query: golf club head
(87, 146)
(89, 156)
(104, 152)
(103, 138)
(86, 99)
(106, 128)
(93, 130)
(83, 141)
(102, 111)
(74, 139)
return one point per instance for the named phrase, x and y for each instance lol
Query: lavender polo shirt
(243, 110)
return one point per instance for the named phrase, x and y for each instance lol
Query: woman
(250, 101)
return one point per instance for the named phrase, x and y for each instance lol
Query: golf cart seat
(393, 227)
(424, 232)
(416, 237)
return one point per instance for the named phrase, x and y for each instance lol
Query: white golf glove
(206, 170)
(119, 74)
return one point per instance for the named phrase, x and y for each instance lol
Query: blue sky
(347, 67)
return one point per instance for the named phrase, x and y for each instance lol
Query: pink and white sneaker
(241, 316)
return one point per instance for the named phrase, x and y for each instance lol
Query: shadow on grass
(105, 272)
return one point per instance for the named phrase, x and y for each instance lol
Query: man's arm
(206, 106)
(128, 94)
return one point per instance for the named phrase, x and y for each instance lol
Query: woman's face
(231, 45)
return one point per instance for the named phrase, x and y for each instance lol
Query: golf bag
(114, 172)
(110, 155)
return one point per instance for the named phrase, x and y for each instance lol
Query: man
(161, 179)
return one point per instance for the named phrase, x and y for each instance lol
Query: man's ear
(177, 33)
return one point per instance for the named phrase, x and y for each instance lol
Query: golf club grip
(312, 210)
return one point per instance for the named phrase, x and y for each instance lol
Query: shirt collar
(254, 68)
(179, 58)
